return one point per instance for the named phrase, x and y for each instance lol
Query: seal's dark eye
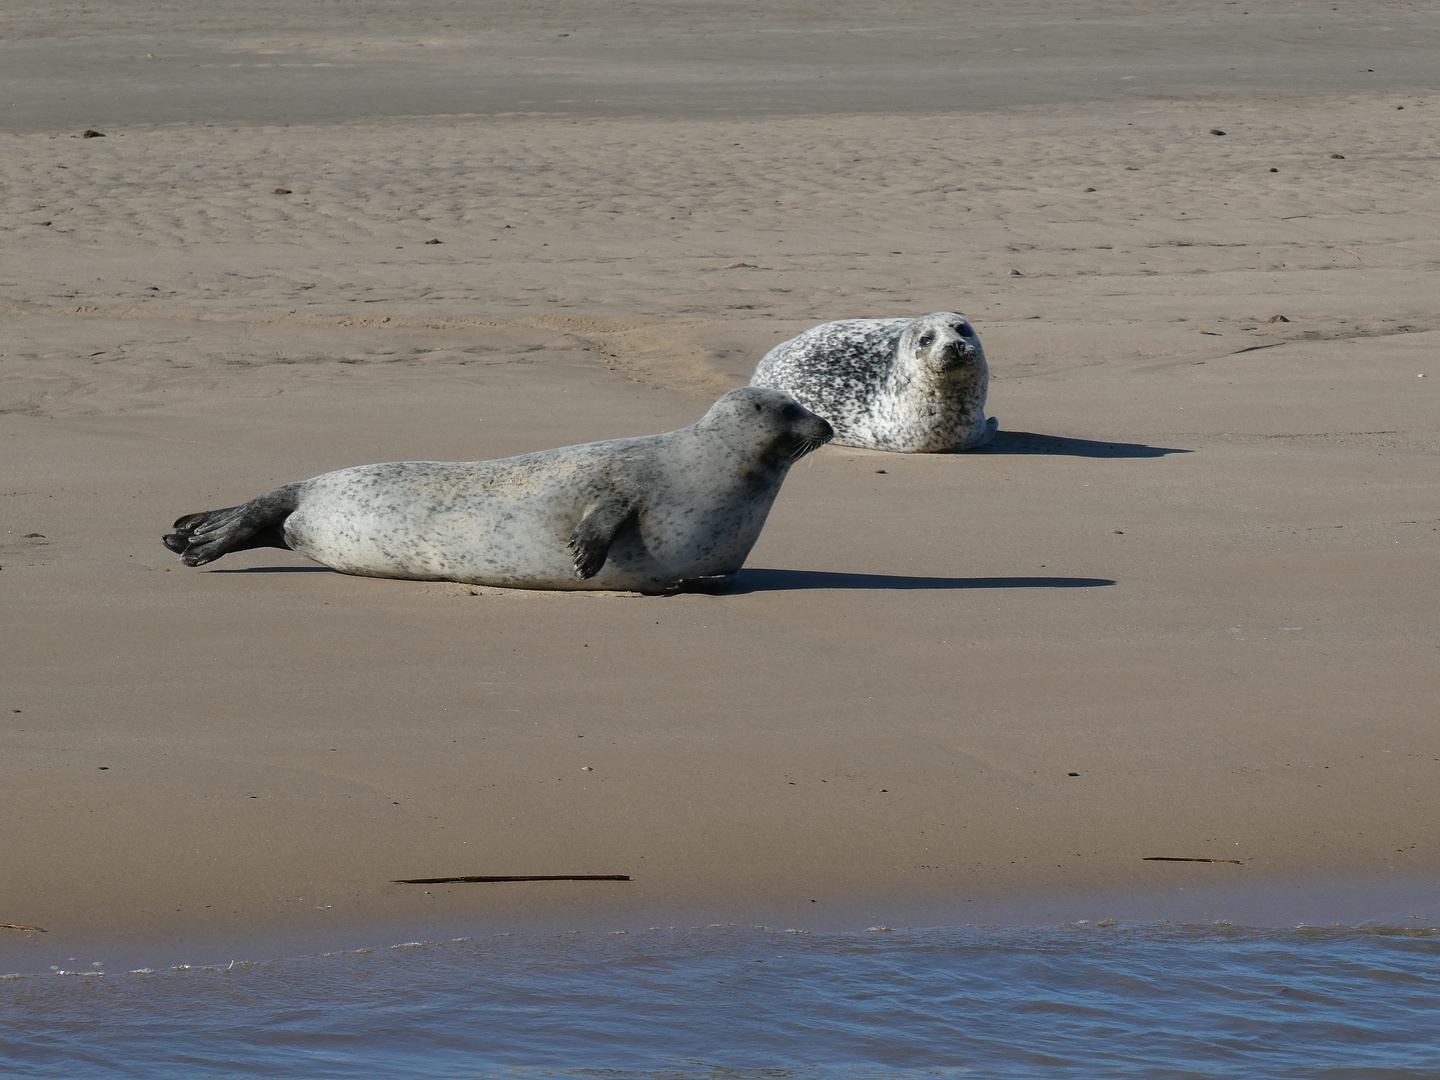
(965, 330)
(789, 412)
(926, 340)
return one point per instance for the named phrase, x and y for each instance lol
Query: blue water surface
(717, 1002)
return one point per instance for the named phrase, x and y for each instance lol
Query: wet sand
(1184, 606)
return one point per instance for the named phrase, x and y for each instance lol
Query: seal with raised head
(913, 385)
(642, 514)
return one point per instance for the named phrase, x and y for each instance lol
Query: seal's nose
(826, 432)
(956, 354)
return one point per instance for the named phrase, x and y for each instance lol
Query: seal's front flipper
(202, 538)
(992, 425)
(590, 542)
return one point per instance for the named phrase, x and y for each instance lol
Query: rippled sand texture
(644, 239)
(1195, 569)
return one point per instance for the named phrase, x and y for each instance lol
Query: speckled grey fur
(913, 385)
(642, 514)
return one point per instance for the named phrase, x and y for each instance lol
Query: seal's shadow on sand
(1027, 442)
(795, 581)
(276, 570)
(758, 580)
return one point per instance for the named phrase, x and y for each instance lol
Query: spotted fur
(917, 386)
(643, 514)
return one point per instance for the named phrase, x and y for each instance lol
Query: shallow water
(1074, 1001)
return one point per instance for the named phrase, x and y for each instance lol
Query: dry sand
(1197, 568)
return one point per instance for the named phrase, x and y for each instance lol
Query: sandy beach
(1184, 606)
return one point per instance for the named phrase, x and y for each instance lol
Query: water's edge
(1372, 901)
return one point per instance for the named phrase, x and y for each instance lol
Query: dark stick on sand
(513, 877)
(1184, 858)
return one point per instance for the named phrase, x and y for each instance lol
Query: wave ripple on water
(1080, 1001)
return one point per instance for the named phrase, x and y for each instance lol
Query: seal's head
(770, 422)
(942, 344)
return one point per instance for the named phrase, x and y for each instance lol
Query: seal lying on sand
(642, 514)
(913, 385)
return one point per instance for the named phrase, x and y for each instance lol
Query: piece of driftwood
(1186, 858)
(509, 877)
(17, 926)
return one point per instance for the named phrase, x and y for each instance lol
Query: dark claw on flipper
(589, 556)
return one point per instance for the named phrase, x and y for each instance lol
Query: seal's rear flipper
(202, 538)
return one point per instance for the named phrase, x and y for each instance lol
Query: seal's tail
(204, 537)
